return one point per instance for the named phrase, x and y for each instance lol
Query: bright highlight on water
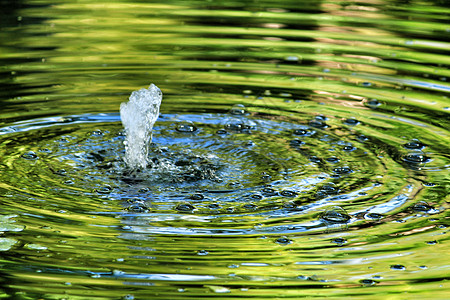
(138, 116)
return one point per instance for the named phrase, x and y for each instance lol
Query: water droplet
(269, 191)
(414, 144)
(339, 241)
(415, 158)
(342, 170)
(106, 189)
(186, 127)
(398, 267)
(138, 207)
(362, 138)
(238, 126)
(422, 206)
(351, 121)
(348, 148)
(330, 189)
(335, 215)
(197, 197)
(368, 282)
(202, 252)
(214, 206)
(30, 155)
(128, 297)
(373, 103)
(287, 193)
(238, 109)
(296, 143)
(332, 159)
(250, 206)
(432, 242)
(321, 195)
(256, 197)
(283, 241)
(185, 207)
(366, 84)
(373, 216)
(318, 124)
(315, 159)
(303, 132)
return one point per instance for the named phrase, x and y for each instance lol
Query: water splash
(138, 116)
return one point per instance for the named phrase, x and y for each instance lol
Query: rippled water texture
(302, 150)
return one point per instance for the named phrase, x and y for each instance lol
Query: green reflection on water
(286, 62)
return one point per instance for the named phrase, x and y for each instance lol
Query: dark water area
(302, 150)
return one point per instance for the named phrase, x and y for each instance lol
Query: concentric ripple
(302, 150)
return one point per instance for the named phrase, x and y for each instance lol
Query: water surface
(302, 150)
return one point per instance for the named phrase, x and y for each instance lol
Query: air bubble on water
(202, 252)
(330, 189)
(335, 215)
(185, 207)
(30, 155)
(342, 170)
(332, 159)
(315, 159)
(296, 143)
(239, 125)
(304, 132)
(283, 241)
(106, 189)
(362, 138)
(249, 206)
(414, 144)
(432, 242)
(398, 267)
(351, 121)
(318, 124)
(368, 282)
(138, 116)
(238, 109)
(348, 148)
(321, 195)
(339, 241)
(221, 131)
(214, 206)
(373, 103)
(415, 159)
(256, 197)
(61, 172)
(288, 193)
(373, 216)
(138, 207)
(269, 191)
(265, 177)
(185, 127)
(197, 197)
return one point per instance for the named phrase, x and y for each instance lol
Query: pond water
(302, 150)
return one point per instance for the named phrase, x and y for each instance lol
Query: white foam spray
(138, 116)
